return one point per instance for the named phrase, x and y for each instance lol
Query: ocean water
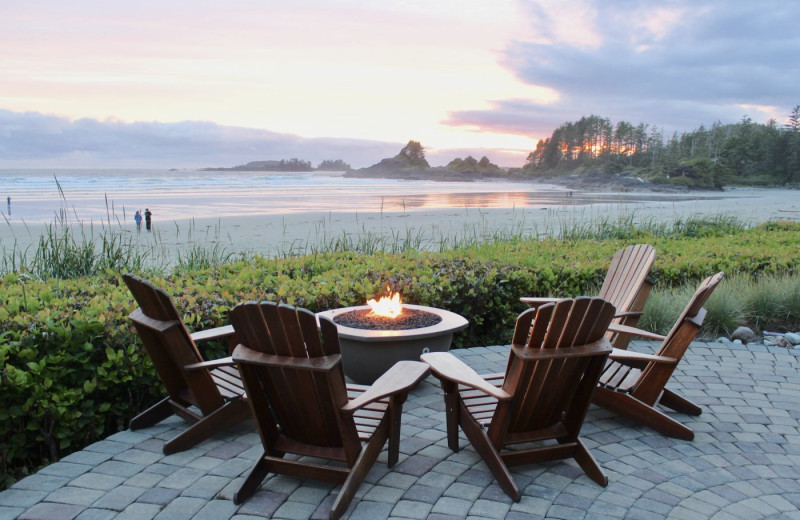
(39, 196)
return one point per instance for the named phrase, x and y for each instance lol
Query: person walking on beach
(8, 201)
(147, 218)
(138, 219)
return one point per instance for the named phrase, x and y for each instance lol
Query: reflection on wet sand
(543, 199)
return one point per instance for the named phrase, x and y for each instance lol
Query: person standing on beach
(147, 218)
(138, 219)
(8, 201)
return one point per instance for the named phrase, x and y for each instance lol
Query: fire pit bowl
(368, 353)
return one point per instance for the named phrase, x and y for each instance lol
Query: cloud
(35, 140)
(674, 65)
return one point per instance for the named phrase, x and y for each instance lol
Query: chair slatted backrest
(550, 391)
(677, 341)
(296, 399)
(170, 346)
(626, 276)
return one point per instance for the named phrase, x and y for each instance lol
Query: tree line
(745, 153)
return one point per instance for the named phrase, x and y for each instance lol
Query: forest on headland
(742, 153)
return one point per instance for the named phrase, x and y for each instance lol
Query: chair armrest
(629, 355)
(629, 314)
(633, 331)
(446, 366)
(537, 301)
(209, 365)
(402, 377)
(242, 354)
(212, 334)
(601, 347)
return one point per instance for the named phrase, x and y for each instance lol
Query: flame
(388, 306)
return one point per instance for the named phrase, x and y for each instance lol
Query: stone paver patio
(743, 464)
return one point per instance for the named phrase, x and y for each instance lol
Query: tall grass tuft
(725, 307)
(773, 302)
(662, 309)
(204, 257)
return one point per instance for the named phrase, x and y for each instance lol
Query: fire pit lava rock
(369, 352)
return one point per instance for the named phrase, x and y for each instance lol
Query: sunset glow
(460, 76)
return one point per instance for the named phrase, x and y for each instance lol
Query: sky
(179, 83)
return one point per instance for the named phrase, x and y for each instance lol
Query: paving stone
(301, 511)
(96, 514)
(97, 481)
(263, 503)
(75, 495)
(92, 458)
(52, 511)
(139, 512)
(489, 509)
(217, 510)
(411, 509)
(16, 497)
(144, 480)
(107, 446)
(398, 480)
(422, 493)
(161, 496)
(140, 457)
(182, 508)
(65, 469)
(232, 468)
(434, 479)
(416, 465)
(452, 506)
(181, 478)
(10, 513)
(119, 498)
(565, 513)
(464, 491)
(532, 505)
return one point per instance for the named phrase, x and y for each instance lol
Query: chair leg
(252, 482)
(153, 415)
(680, 404)
(589, 465)
(483, 445)
(229, 414)
(395, 413)
(365, 460)
(452, 402)
(628, 406)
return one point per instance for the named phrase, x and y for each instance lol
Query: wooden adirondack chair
(633, 384)
(302, 406)
(626, 286)
(207, 394)
(557, 355)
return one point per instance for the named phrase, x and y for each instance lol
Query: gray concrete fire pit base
(368, 353)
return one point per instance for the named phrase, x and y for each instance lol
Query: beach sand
(301, 233)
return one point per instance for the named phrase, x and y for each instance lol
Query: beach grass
(68, 247)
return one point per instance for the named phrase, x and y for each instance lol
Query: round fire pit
(369, 352)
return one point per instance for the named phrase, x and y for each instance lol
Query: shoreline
(281, 234)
